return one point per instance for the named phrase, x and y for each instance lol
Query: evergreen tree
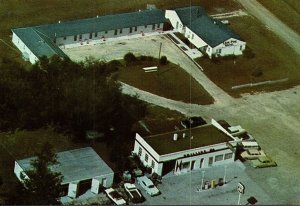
(43, 186)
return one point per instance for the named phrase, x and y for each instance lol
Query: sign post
(241, 190)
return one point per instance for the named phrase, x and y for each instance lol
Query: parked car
(263, 161)
(115, 196)
(148, 185)
(192, 122)
(251, 154)
(133, 193)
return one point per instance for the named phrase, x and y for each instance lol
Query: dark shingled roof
(39, 38)
(212, 31)
(202, 136)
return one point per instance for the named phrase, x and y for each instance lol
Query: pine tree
(43, 186)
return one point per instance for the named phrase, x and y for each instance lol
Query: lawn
(273, 60)
(170, 81)
(20, 13)
(287, 11)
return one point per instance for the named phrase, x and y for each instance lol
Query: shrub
(143, 58)
(163, 60)
(257, 72)
(129, 57)
(248, 53)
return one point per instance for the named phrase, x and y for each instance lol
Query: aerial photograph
(149, 102)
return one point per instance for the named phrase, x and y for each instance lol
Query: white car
(115, 196)
(148, 185)
(251, 154)
(134, 193)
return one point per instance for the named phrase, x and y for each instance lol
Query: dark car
(192, 122)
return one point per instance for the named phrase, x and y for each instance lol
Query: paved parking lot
(182, 189)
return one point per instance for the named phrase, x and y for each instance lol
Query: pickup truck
(133, 193)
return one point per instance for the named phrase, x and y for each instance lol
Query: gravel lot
(272, 118)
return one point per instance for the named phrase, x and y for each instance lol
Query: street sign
(241, 188)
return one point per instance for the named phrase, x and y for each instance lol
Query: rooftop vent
(97, 16)
(183, 135)
(175, 136)
(192, 137)
(59, 21)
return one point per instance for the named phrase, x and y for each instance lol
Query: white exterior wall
(104, 180)
(230, 47)
(194, 38)
(24, 49)
(175, 20)
(18, 171)
(60, 41)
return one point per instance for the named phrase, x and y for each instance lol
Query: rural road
(277, 26)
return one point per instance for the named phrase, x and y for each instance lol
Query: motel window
(153, 26)
(96, 34)
(145, 26)
(121, 30)
(228, 156)
(146, 157)
(75, 38)
(241, 47)
(158, 25)
(91, 35)
(218, 158)
(65, 37)
(135, 28)
(80, 36)
(130, 30)
(153, 164)
(116, 31)
(192, 36)
(140, 151)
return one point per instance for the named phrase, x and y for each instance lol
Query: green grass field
(287, 11)
(165, 82)
(275, 59)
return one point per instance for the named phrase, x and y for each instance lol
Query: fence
(259, 83)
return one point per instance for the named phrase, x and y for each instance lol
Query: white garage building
(209, 35)
(185, 150)
(82, 169)
(46, 40)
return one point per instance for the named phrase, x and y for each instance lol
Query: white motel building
(185, 150)
(208, 35)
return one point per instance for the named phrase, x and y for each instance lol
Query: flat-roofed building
(186, 150)
(82, 169)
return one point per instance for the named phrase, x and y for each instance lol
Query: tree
(163, 60)
(129, 58)
(43, 186)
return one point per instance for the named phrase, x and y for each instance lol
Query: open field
(287, 11)
(273, 60)
(169, 81)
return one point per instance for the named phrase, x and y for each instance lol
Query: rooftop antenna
(175, 136)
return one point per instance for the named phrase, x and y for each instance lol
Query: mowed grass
(273, 58)
(21, 13)
(287, 11)
(170, 81)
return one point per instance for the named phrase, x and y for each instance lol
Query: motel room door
(210, 161)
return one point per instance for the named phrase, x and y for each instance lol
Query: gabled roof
(39, 45)
(189, 14)
(102, 23)
(39, 39)
(75, 165)
(212, 31)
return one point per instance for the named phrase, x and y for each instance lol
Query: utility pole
(202, 180)
(159, 51)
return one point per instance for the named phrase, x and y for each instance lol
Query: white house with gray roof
(81, 169)
(209, 35)
(47, 40)
(185, 150)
